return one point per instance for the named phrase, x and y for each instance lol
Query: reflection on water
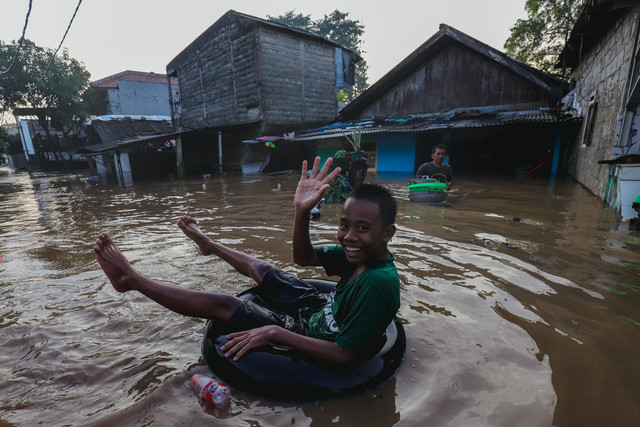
(520, 301)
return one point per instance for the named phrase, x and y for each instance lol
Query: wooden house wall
(456, 77)
(240, 73)
(298, 79)
(218, 82)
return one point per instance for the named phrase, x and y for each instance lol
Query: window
(590, 123)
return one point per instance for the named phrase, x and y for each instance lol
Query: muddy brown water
(520, 300)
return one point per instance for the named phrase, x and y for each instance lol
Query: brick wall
(602, 75)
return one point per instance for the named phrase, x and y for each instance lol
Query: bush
(9, 144)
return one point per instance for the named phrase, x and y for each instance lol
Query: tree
(539, 40)
(9, 143)
(295, 20)
(40, 79)
(339, 28)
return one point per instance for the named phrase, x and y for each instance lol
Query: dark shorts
(277, 301)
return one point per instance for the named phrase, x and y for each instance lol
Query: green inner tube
(428, 186)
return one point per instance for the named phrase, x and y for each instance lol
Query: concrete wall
(602, 77)
(136, 98)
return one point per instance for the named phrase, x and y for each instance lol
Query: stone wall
(602, 77)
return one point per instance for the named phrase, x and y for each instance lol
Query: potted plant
(354, 168)
(355, 140)
(343, 157)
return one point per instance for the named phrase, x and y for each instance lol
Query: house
(129, 137)
(130, 147)
(246, 77)
(135, 93)
(603, 51)
(45, 146)
(458, 91)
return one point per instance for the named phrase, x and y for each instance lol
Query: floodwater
(520, 300)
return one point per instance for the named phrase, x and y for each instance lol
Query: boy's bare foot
(189, 227)
(113, 262)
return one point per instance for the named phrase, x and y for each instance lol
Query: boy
(340, 330)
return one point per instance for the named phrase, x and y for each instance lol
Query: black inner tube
(283, 373)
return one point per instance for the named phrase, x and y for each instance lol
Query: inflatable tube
(283, 373)
(427, 190)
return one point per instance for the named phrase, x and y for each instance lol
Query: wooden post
(220, 151)
(179, 160)
(446, 140)
(556, 153)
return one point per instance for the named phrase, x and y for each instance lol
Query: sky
(145, 35)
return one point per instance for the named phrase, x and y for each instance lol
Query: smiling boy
(340, 329)
(367, 296)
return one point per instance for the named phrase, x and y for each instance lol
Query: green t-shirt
(357, 312)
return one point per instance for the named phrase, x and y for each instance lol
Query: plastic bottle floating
(210, 390)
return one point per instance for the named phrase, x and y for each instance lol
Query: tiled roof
(136, 76)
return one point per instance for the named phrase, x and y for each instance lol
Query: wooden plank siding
(298, 79)
(245, 70)
(219, 85)
(456, 77)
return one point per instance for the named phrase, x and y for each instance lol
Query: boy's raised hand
(311, 189)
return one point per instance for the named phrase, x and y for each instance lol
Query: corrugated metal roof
(90, 150)
(136, 76)
(468, 119)
(121, 130)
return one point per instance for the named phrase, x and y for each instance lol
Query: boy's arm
(308, 194)
(241, 342)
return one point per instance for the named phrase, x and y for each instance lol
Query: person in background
(437, 169)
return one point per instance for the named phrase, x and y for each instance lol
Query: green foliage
(539, 39)
(295, 20)
(342, 96)
(355, 139)
(9, 143)
(340, 154)
(40, 80)
(339, 28)
(338, 190)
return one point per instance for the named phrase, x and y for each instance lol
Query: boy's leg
(124, 277)
(242, 262)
